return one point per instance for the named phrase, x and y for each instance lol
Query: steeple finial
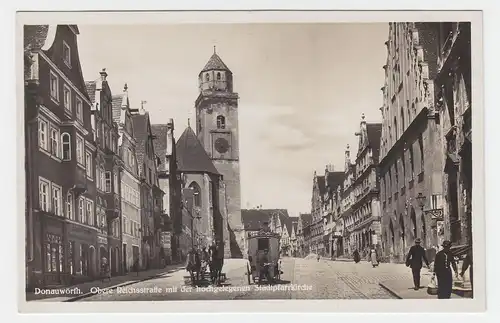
(215, 52)
(125, 87)
(189, 123)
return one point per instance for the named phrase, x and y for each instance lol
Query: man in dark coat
(442, 268)
(356, 256)
(414, 261)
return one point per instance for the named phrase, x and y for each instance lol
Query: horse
(193, 265)
(216, 262)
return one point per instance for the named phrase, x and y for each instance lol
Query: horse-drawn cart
(263, 257)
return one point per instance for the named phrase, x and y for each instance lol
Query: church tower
(217, 129)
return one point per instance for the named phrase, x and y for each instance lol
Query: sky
(302, 88)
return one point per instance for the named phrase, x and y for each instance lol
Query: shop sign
(102, 240)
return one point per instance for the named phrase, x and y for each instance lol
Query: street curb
(89, 294)
(390, 290)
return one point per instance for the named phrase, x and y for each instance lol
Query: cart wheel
(248, 275)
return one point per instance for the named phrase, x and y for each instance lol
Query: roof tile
(215, 63)
(191, 156)
(139, 122)
(160, 142)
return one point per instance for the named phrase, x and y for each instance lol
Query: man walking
(442, 269)
(414, 261)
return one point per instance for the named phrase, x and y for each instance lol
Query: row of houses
(104, 185)
(412, 174)
(278, 221)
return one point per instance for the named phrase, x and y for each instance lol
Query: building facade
(364, 219)
(294, 250)
(304, 234)
(453, 99)
(410, 147)
(130, 184)
(333, 181)
(338, 225)
(218, 131)
(150, 194)
(315, 242)
(108, 167)
(347, 203)
(62, 228)
(169, 182)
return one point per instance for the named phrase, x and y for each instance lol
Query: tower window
(221, 122)
(207, 77)
(218, 76)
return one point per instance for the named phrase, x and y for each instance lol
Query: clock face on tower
(221, 145)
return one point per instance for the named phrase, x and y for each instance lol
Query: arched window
(409, 111)
(411, 162)
(421, 146)
(221, 122)
(395, 129)
(403, 164)
(414, 223)
(402, 120)
(196, 193)
(70, 214)
(66, 146)
(402, 228)
(207, 77)
(218, 76)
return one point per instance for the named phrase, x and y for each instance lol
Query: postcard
(229, 158)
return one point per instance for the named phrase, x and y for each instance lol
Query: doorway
(124, 258)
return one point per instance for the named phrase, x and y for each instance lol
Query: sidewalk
(76, 292)
(403, 289)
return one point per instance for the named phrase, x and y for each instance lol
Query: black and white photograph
(251, 160)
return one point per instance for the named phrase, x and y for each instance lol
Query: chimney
(103, 75)
(170, 124)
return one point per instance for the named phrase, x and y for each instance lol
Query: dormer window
(218, 76)
(66, 54)
(207, 77)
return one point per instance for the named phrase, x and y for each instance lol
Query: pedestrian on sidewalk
(356, 256)
(373, 257)
(442, 269)
(136, 266)
(414, 261)
(105, 270)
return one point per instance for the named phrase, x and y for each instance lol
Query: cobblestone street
(326, 280)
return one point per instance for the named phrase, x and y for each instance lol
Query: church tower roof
(191, 156)
(215, 63)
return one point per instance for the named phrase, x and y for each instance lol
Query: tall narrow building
(217, 130)
(454, 102)
(410, 146)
